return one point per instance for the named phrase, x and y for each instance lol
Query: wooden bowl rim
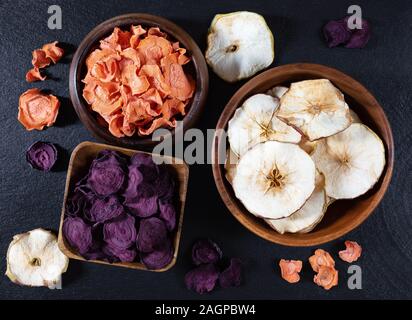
(69, 252)
(198, 100)
(241, 214)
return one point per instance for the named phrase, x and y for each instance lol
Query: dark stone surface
(31, 199)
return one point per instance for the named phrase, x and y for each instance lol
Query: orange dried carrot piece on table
(352, 252)
(321, 258)
(290, 270)
(37, 110)
(34, 75)
(327, 277)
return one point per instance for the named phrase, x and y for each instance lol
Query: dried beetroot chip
(123, 255)
(143, 207)
(164, 184)
(168, 214)
(107, 173)
(152, 235)
(134, 180)
(205, 251)
(359, 37)
(202, 279)
(139, 159)
(232, 275)
(78, 234)
(79, 204)
(120, 233)
(159, 258)
(42, 155)
(104, 209)
(336, 33)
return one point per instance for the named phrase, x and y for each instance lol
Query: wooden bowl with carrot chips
(134, 74)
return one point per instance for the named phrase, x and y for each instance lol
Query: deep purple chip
(159, 258)
(78, 234)
(232, 275)
(168, 214)
(336, 33)
(120, 232)
(104, 209)
(152, 235)
(205, 251)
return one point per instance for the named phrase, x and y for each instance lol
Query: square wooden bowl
(79, 164)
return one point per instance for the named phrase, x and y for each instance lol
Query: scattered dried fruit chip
(40, 60)
(42, 155)
(205, 251)
(37, 110)
(327, 277)
(274, 179)
(359, 37)
(336, 32)
(136, 81)
(78, 234)
(350, 169)
(290, 270)
(239, 44)
(203, 278)
(321, 258)
(120, 233)
(34, 259)
(232, 275)
(52, 51)
(159, 258)
(352, 252)
(316, 107)
(152, 235)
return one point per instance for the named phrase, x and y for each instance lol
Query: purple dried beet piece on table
(205, 251)
(78, 234)
(336, 32)
(159, 258)
(107, 174)
(359, 37)
(142, 207)
(152, 235)
(120, 233)
(42, 155)
(168, 214)
(103, 209)
(202, 279)
(232, 275)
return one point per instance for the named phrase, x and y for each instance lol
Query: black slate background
(31, 199)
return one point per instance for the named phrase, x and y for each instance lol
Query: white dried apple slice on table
(352, 161)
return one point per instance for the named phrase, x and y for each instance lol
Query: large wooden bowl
(343, 215)
(196, 67)
(80, 161)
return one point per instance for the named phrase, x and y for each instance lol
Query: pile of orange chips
(136, 82)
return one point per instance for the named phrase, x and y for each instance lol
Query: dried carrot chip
(34, 75)
(290, 270)
(352, 252)
(321, 258)
(37, 110)
(135, 81)
(327, 277)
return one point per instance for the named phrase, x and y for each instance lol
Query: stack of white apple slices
(293, 151)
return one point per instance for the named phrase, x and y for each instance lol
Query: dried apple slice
(316, 107)
(239, 44)
(230, 165)
(34, 259)
(306, 218)
(274, 179)
(352, 161)
(255, 122)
